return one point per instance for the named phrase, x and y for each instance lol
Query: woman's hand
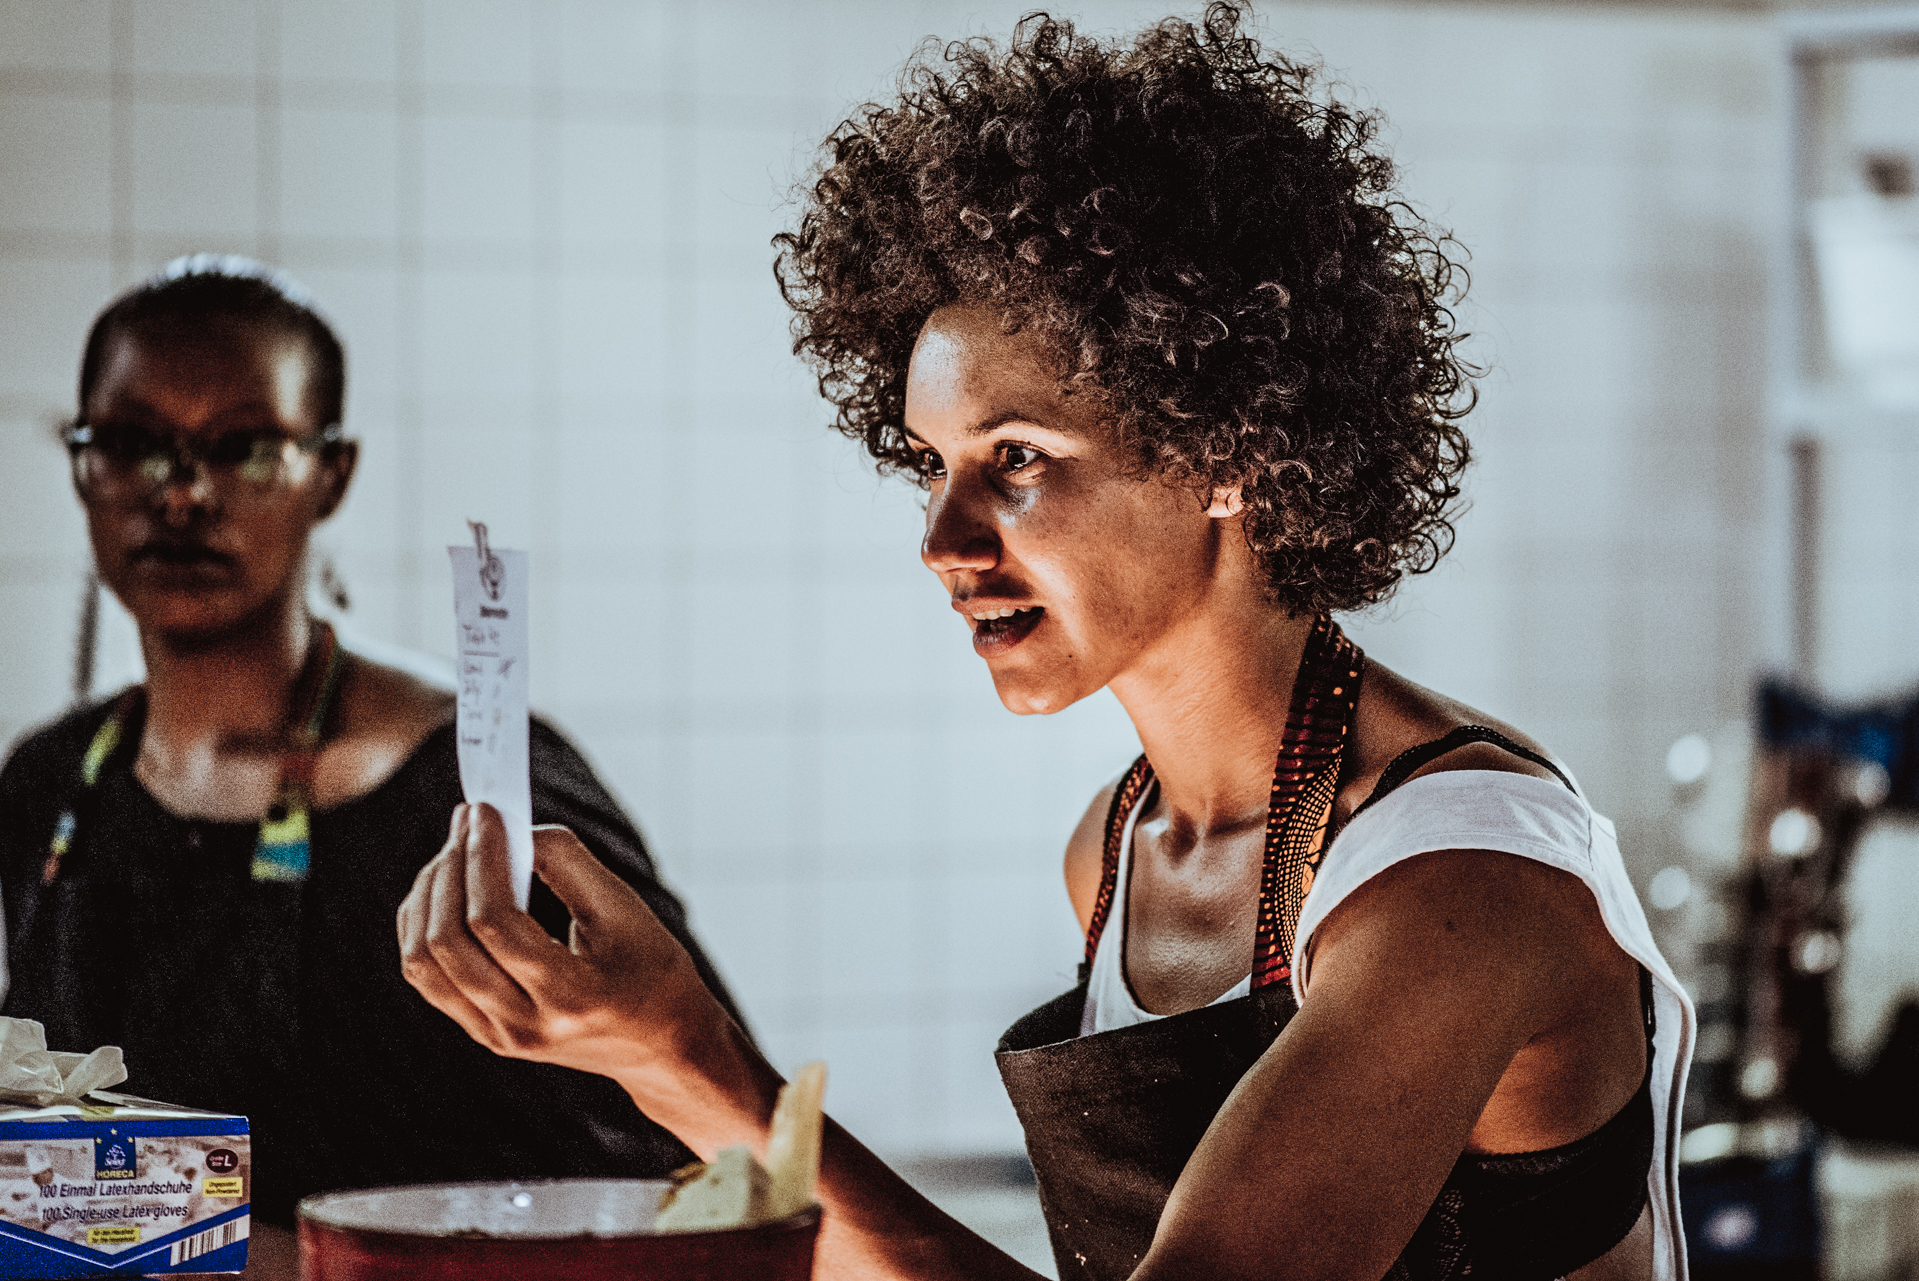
(621, 998)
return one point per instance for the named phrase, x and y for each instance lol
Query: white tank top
(1109, 998)
(1470, 810)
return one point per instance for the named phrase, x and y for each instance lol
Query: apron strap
(1305, 780)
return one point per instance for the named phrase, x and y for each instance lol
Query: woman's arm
(1427, 983)
(624, 999)
(1445, 980)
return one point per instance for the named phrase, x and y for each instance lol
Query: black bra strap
(1415, 758)
(1645, 1008)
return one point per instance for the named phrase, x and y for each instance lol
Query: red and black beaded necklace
(1299, 814)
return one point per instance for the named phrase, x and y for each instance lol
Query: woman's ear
(341, 461)
(1226, 502)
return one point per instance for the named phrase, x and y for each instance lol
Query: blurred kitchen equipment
(548, 1230)
(1811, 1154)
(1749, 1210)
(1852, 775)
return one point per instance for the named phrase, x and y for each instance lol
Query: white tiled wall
(542, 229)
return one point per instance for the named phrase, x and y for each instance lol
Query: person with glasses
(204, 869)
(1366, 991)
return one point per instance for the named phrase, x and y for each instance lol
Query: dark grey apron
(1111, 1119)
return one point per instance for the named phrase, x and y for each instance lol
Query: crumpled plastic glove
(31, 1073)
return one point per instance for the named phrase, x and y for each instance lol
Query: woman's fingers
(411, 918)
(516, 942)
(593, 896)
(489, 876)
(491, 913)
(439, 991)
(417, 961)
(459, 955)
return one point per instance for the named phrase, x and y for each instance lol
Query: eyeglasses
(113, 461)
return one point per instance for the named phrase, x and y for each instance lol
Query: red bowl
(544, 1230)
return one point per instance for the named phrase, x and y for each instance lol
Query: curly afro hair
(1194, 231)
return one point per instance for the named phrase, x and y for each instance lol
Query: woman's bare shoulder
(385, 714)
(1086, 854)
(1397, 714)
(381, 700)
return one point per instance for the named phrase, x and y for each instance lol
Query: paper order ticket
(490, 612)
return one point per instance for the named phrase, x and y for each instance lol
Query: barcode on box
(212, 1239)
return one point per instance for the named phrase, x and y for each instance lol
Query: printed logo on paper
(115, 1157)
(222, 1161)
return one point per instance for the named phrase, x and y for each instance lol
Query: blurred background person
(204, 869)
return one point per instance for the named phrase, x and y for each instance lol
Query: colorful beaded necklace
(283, 848)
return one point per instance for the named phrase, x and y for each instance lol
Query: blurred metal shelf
(1815, 404)
(1890, 31)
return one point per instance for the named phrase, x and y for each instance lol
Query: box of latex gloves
(94, 1183)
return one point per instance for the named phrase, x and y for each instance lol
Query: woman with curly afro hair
(1366, 991)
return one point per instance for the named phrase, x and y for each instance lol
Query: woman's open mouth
(1002, 629)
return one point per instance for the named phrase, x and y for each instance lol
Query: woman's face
(1070, 568)
(194, 549)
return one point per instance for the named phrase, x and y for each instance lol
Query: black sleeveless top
(1112, 1118)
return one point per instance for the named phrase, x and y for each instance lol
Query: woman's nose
(958, 535)
(188, 489)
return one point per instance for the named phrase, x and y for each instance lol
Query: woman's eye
(126, 444)
(240, 448)
(931, 465)
(1018, 457)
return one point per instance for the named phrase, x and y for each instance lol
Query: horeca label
(116, 1156)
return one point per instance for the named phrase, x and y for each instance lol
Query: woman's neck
(206, 694)
(1210, 704)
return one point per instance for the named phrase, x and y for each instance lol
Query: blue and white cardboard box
(122, 1186)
